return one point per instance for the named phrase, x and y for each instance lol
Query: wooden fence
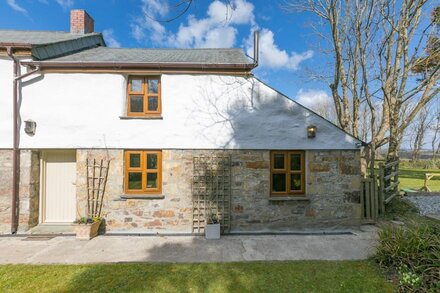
(379, 190)
(369, 200)
(388, 183)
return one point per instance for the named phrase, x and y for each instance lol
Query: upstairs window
(287, 173)
(143, 172)
(143, 96)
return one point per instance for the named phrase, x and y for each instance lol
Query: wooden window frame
(287, 171)
(145, 94)
(143, 169)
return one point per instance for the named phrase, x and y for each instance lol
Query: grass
(414, 178)
(292, 276)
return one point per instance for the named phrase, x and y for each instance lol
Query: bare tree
(374, 45)
(417, 130)
(435, 128)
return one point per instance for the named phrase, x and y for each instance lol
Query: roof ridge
(183, 49)
(42, 31)
(80, 36)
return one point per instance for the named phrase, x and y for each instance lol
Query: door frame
(43, 177)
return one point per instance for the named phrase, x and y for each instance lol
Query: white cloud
(273, 57)
(137, 32)
(318, 101)
(311, 98)
(219, 29)
(16, 7)
(65, 3)
(110, 39)
(215, 30)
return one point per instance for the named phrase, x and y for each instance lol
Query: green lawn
(414, 178)
(293, 276)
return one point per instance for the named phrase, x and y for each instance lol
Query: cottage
(186, 132)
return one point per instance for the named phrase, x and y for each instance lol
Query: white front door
(59, 189)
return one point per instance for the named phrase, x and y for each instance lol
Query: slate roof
(54, 48)
(158, 56)
(38, 37)
(50, 44)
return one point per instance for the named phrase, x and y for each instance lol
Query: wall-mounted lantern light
(30, 127)
(311, 131)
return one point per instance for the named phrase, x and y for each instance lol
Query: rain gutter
(15, 137)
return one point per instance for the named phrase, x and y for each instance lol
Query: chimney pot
(81, 22)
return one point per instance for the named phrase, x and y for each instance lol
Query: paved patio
(104, 249)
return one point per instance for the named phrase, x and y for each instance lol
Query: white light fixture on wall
(311, 131)
(30, 126)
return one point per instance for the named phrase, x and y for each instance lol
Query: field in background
(414, 178)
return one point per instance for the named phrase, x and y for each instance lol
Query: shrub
(421, 164)
(412, 252)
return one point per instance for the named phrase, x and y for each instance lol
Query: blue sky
(288, 47)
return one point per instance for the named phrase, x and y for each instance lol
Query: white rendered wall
(199, 112)
(6, 77)
(5, 102)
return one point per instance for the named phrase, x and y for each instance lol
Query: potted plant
(87, 227)
(212, 229)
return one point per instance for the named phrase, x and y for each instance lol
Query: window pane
(134, 180)
(152, 180)
(152, 104)
(151, 161)
(295, 182)
(295, 162)
(279, 182)
(135, 160)
(136, 104)
(278, 161)
(136, 85)
(153, 86)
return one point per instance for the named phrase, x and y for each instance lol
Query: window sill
(289, 198)
(141, 117)
(140, 196)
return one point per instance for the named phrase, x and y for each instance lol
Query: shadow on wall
(251, 114)
(245, 113)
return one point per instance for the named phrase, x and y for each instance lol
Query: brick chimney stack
(81, 22)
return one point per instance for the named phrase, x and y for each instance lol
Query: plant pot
(87, 231)
(212, 231)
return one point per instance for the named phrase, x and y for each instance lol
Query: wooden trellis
(211, 188)
(97, 172)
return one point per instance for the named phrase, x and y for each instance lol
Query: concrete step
(57, 229)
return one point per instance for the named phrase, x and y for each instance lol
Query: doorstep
(53, 229)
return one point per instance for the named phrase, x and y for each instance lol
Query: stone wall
(5, 190)
(332, 191)
(28, 190)
(170, 214)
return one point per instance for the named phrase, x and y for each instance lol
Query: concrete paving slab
(186, 249)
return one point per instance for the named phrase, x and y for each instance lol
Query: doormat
(38, 238)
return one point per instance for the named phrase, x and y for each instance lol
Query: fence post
(381, 189)
(396, 179)
(363, 182)
(375, 198)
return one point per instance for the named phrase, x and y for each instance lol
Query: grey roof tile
(47, 44)
(38, 37)
(134, 55)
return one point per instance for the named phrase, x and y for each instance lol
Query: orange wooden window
(143, 172)
(144, 96)
(287, 173)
